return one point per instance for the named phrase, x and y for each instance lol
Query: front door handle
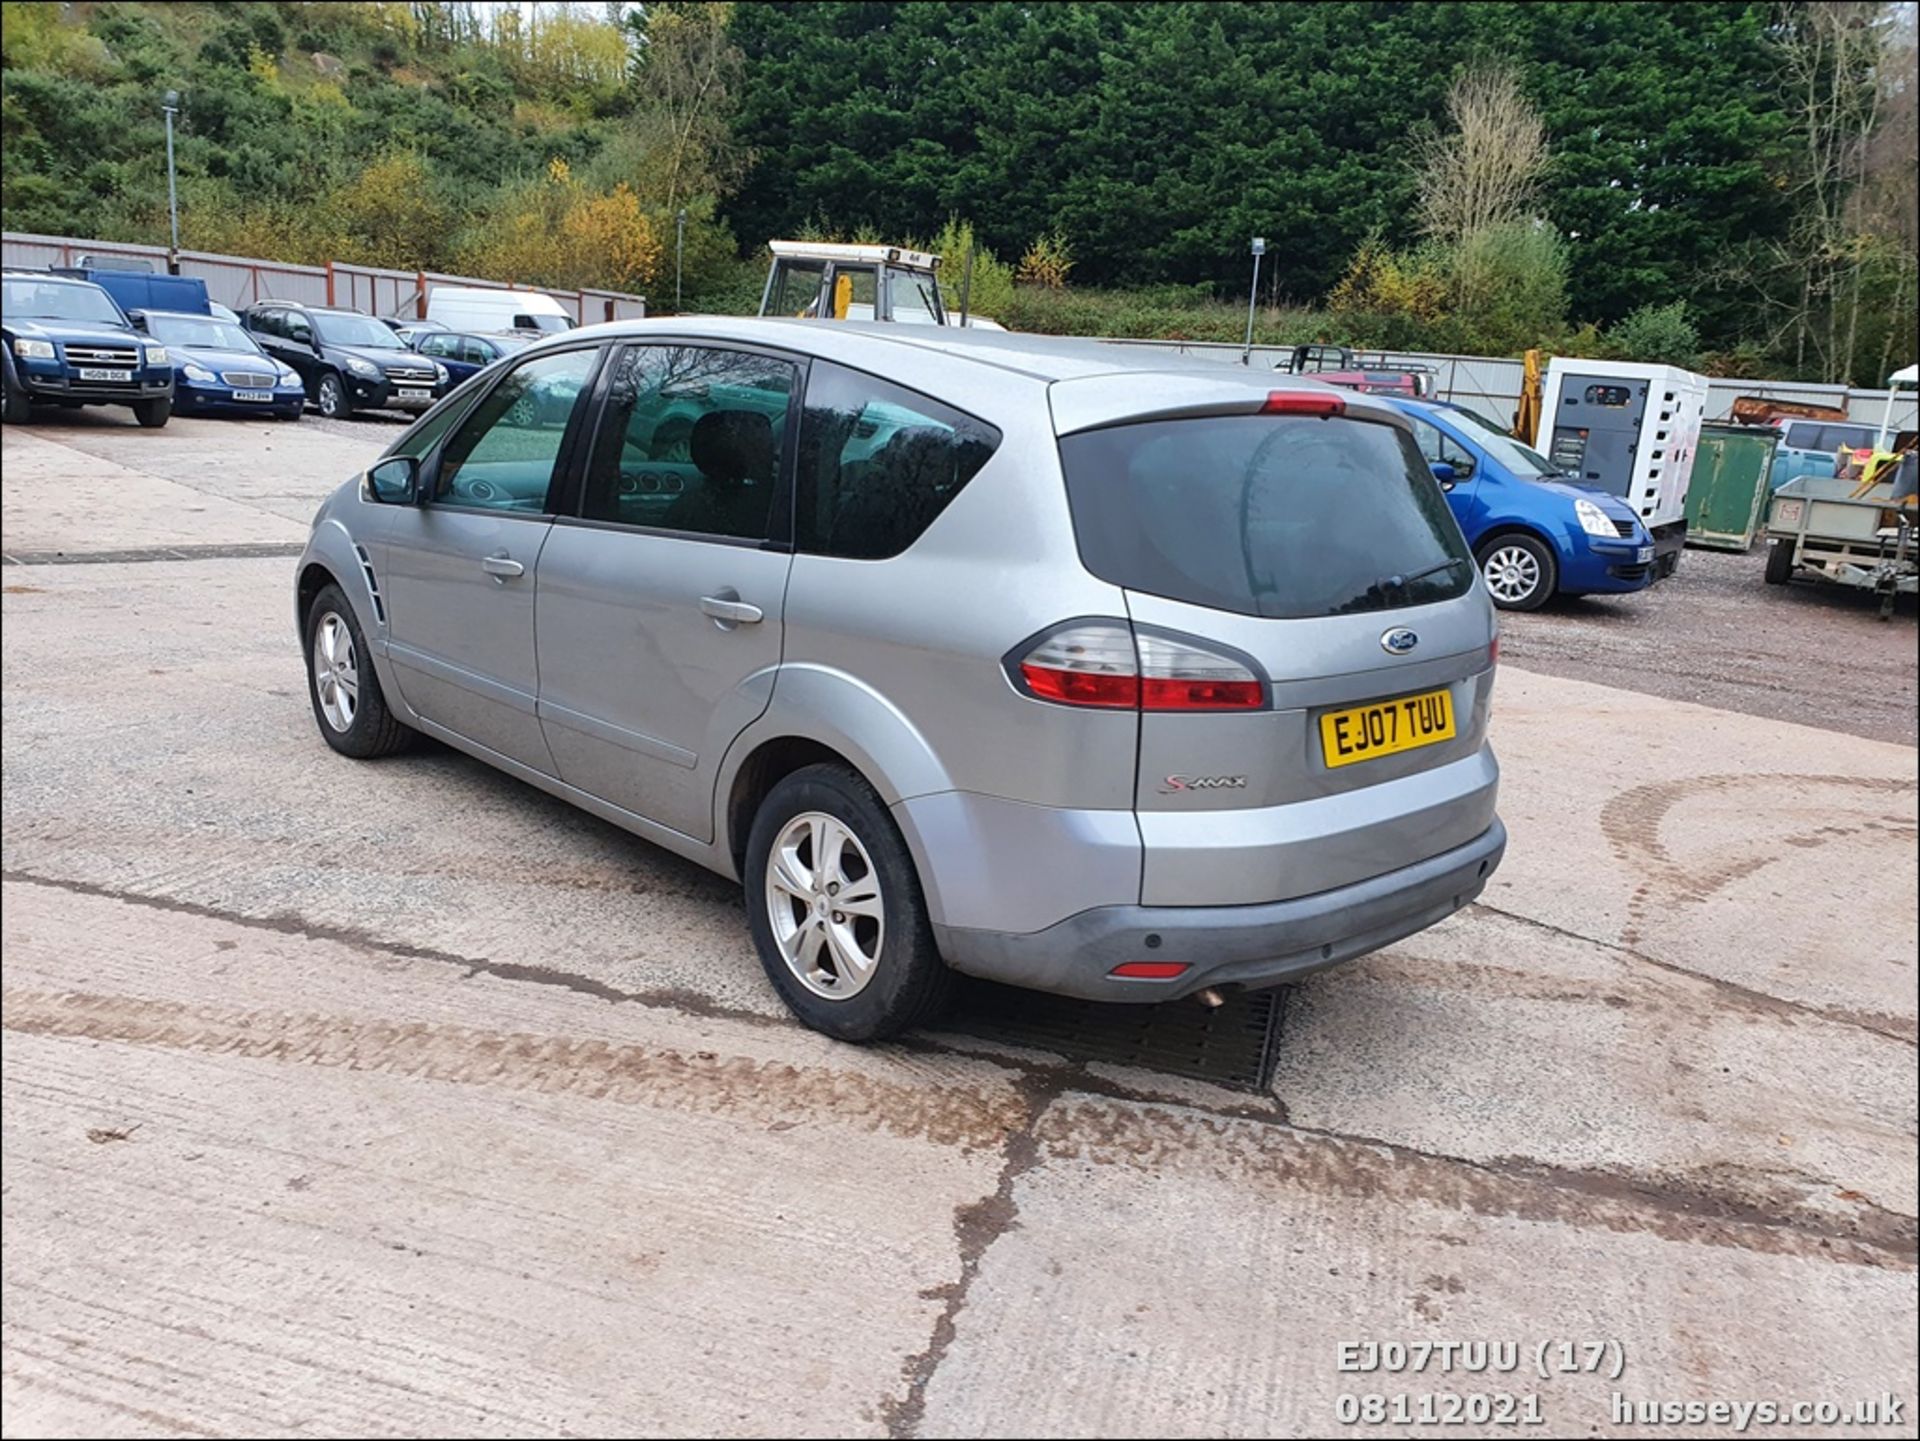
(729, 610)
(502, 567)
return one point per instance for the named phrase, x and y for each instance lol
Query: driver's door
(460, 566)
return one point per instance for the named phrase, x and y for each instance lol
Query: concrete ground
(398, 1099)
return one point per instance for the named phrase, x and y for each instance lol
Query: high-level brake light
(1304, 402)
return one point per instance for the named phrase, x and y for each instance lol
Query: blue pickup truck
(67, 343)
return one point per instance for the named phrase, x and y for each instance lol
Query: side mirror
(1443, 473)
(395, 480)
(300, 335)
(137, 319)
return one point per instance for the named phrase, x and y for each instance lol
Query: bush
(1047, 262)
(991, 289)
(1659, 334)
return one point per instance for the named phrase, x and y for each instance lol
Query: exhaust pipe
(1210, 998)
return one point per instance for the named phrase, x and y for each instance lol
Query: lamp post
(679, 254)
(171, 106)
(1253, 294)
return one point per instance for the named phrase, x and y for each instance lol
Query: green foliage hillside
(392, 134)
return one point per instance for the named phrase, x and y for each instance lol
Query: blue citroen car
(1535, 531)
(219, 369)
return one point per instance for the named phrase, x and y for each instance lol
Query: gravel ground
(1716, 633)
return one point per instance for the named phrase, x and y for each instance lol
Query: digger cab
(853, 282)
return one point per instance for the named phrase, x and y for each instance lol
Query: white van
(468, 309)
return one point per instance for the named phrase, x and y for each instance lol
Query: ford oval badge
(1399, 642)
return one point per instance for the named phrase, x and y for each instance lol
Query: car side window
(692, 439)
(476, 351)
(296, 326)
(268, 322)
(435, 344)
(1803, 437)
(1438, 447)
(878, 463)
(502, 454)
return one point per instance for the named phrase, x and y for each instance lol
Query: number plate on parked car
(253, 395)
(106, 375)
(1643, 555)
(1362, 733)
(416, 395)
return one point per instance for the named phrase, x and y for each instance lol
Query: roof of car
(28, 272)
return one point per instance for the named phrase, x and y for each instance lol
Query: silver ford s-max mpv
(1081, 669)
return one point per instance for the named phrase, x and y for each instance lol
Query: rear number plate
(416, 395)
(262, 395)
(1362, 733)
(106, 375)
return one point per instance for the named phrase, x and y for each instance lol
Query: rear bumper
(1247, 946)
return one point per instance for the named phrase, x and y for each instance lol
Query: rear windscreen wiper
(1401, 582)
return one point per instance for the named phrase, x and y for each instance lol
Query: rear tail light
(1106, 666)
(1304, 402)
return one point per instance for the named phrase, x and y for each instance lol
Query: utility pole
(171, 106)
(1253, 296)
(679, 254)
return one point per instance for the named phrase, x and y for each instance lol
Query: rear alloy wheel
(332, 399)
(1520, 572)
(836, 911)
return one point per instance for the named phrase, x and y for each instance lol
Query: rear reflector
(1150, 970)
(1107, 665)
(1304, 402)
(1493, 652)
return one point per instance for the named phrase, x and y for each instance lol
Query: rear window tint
(1285, 516)
(878, 463)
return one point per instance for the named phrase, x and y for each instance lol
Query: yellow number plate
(1365, 732)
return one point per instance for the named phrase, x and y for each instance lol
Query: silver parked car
(1051, 662)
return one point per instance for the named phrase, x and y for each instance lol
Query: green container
(1728, 487)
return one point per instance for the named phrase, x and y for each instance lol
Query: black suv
(349, 360)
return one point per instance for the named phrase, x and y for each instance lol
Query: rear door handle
(730, 610)
(501, 566)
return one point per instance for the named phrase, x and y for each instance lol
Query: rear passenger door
(460, 568)
(660, 601)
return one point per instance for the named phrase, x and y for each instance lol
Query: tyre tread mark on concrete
(1902, 1029)
(1146, 1136)
(699, 1081)
(1631, 822)
(1156, 1139)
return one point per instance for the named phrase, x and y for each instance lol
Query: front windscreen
(1267, 515)
(58, 300)
(194, 332)
(338, 327)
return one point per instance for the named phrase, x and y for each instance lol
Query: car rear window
(1283, 515)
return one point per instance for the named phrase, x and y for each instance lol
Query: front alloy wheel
(823, 900)
(332, 397)
(1520, 572)
(336, 672)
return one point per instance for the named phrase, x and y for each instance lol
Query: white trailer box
(1630, 430)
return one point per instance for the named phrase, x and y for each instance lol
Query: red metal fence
(239, 281)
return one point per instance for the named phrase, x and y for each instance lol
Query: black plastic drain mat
(1233, 1044)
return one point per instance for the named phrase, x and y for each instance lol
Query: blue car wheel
(1520, 571)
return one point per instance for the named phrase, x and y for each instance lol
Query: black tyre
(343, 686)
(14, 409)
(836, 911)
(152, 414)
(331, 398)
(1780, 562)
(1520, 570)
